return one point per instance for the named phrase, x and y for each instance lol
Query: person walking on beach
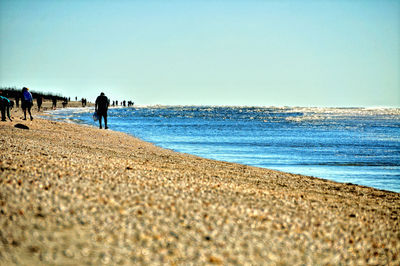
(54, 106)
(26, 102)
(101, 108)
(5, 106)
(39, 101)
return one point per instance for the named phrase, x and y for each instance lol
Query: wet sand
(77, 195)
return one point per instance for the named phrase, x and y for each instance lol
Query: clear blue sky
(268, 53)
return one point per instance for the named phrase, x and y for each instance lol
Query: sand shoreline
(74, 194)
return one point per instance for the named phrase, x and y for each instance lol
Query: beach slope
(76, 195)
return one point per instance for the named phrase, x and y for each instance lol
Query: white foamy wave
(72, 110)
(305, 118)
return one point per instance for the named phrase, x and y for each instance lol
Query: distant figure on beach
(17, 101)
(65, 102)
(5, 106)
(39, 101)
(54, 103)
(101, 108)
(26, 102)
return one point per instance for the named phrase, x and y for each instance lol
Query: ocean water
(350, 145)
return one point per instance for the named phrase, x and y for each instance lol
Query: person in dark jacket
(26, 102)
(5, 106)
(54, 100)
(101, 108)
(39, 101)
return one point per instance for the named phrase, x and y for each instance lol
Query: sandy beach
(78, 195)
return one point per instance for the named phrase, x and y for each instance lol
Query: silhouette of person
(54, 102)
(5, 106)
(39, 101)
(101, 108)
(26, 102)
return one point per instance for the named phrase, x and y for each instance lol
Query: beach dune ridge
(73, 194)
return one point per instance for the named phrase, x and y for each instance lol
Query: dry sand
(77, 195)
